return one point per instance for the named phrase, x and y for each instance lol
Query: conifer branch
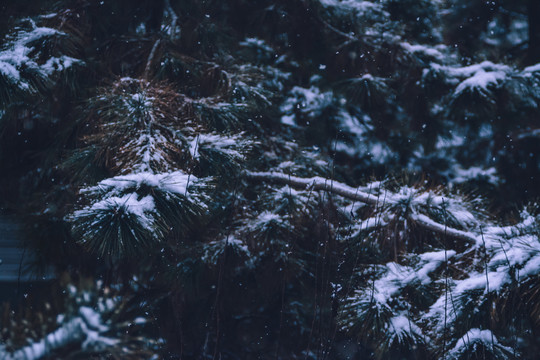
(84, 328)
(332, 186)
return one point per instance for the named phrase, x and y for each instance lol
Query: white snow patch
(481, 80)
(532, 68)
(174, 182)
(15, 56)
(59, 64)
(460, 175)
(309, 101)
(401, 327)
(128, 202)
(472, 337)
(9, 71)
(229, 145)
(358, 6)
(423, 49)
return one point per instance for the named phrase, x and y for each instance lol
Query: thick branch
(316, 183)
(429, 224)
(319, 183)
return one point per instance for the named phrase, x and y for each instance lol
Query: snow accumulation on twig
(429, 224)
(320, 183)
(316, 183)
(16, 55)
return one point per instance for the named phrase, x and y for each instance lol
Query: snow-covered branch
(321, 184)
(84, 329)
(425, 222)
(316, 183)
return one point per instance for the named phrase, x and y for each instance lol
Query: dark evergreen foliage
(183, 167)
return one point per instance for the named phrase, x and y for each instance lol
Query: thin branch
(174, 18)
(150, 60)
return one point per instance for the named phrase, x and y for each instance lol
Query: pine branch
(429, 224)
(319, 183)
(315, 183)
(85, 329)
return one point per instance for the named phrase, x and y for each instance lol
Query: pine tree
(311, 179)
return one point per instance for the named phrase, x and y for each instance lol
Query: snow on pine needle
(479, 343)
(141, 122)
(30, 58)
(130, 213)
(152, 128)
(161, 146)
(92, 317)
(499, 260)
